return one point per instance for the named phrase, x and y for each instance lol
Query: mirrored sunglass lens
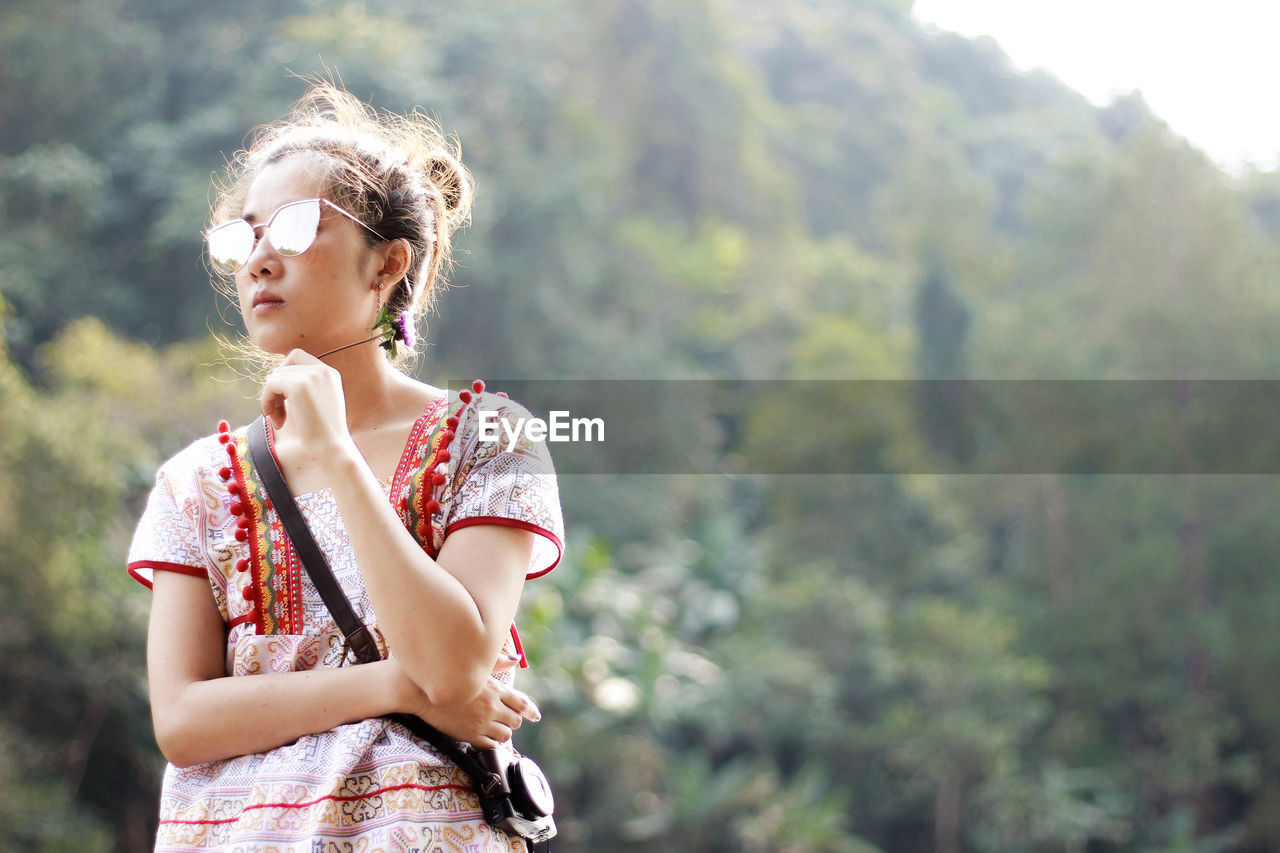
(230, 245)
(293, 228)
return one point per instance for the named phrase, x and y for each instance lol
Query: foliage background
(801, 189)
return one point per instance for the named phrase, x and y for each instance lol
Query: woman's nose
(263, 255)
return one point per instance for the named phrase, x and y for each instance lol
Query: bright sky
(1210, 70)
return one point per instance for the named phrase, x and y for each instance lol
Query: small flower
(408, 334)
(394, 328)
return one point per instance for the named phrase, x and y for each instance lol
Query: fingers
(520, 702)
(277, 388)
(497, 733)
(302, 383)
(299, 356)
(273, 408)
(508, 716)
(493, 733)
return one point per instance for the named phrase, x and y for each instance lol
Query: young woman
(335, 225)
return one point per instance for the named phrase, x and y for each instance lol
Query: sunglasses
(291, 230)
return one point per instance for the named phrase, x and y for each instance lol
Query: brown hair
(398, 173)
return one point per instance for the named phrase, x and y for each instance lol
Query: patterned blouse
(369, 786)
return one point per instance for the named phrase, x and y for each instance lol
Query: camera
(515, 795)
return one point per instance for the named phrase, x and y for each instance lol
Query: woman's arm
(445, 619)
(448, 618)
(200, 714)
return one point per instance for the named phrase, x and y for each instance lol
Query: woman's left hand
(485, 722)
(306, 394)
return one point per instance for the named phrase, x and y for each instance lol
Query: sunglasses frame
(266, 231)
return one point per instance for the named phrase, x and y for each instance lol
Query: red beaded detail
(242, 509)
(436, 476)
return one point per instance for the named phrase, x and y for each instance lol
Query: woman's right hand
(485, 722)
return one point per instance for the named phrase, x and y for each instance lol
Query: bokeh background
(676, 189)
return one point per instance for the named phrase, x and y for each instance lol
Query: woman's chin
(277, 341)
(275, 344)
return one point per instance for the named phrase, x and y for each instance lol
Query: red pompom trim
(242, 565)
(223, 426)
(437, 479)
(432, 507)
(224, 472)
(242, 535)
(248, 593)
(243, 523)
(451, 422)
(465, 396)
(224, 437)
(237, 509)
(447, 436)
(442, 457)
(477, 386)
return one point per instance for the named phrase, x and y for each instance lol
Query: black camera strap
(357, 634)
(313, 560)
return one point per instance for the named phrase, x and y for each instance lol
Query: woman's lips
(264, 303)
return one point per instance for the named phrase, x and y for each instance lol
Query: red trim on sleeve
(158, 565)
(517, 523)
(515, 638)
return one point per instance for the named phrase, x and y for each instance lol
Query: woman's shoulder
(478, 404)
(202, 458)
(490, 422)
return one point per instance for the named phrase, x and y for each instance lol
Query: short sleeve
(166, 537)
(506, 481)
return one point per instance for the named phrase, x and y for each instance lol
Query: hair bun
(447, 174)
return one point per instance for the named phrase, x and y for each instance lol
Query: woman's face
(315, 301)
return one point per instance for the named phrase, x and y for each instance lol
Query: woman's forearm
(227, 717)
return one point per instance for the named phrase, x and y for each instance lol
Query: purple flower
(405, 331)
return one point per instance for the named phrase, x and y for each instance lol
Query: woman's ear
(396, 261)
